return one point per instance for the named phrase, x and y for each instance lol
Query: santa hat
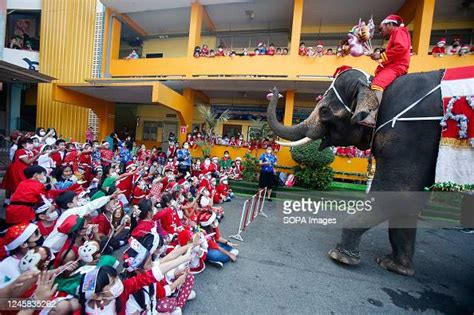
(18, 235)
(201, 189)
(465, 47)
(208, 173)
(320, 44)
(130, 164)
(184, 237)
(71, 224)
(224, 177)
(205, 218)
(340, 70)
(442, 41)
(393, 18)
(238, 158)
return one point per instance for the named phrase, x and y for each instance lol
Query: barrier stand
(251, 209)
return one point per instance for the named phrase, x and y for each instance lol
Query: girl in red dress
(23, 158)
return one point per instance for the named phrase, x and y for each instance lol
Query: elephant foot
(345, 256)
(388, 263)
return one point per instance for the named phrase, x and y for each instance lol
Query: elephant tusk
(295, 143)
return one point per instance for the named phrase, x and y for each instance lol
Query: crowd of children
(351, 152)
(456, 48)
(237, 141)
(71, 205)
(260, 50)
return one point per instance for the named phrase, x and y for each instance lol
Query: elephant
(406, 154)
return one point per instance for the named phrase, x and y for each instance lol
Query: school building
(84, 46)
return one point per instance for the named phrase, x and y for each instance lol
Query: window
(150, 130)
(231, 130)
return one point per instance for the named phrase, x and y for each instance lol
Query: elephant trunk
(309, 129)
(292, 133)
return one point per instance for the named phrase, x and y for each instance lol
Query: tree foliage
(314, 170)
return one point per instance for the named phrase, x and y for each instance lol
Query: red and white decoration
(456, 150)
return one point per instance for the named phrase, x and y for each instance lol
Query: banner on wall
(237, 112)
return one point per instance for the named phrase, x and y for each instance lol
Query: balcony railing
(265, 67)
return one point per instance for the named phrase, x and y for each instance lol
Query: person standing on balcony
(267, 173)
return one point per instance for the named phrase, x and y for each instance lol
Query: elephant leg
(402, 235)
(347, 251)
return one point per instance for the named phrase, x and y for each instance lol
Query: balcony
(264, 67)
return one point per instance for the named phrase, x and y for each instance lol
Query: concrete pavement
(284, 269)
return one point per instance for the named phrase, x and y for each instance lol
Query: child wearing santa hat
(439, 50)
(220, 250)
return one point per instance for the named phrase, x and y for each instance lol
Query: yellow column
(296, 27)
(186, 116)
(195, 24)
(289, 106)
(106, 114)
(115, 44)
(422, 26)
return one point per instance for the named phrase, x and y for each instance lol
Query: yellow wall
(67, 39)
(154, 113)
(173, 47)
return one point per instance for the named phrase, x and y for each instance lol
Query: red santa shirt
(23, 202)
(436, 51)
(395, 59)
(139, 193)
(58, 158)
(15, 171)
(169, 219)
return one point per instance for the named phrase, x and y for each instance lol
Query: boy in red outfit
(27, 196)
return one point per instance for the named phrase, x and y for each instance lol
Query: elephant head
(330, 120)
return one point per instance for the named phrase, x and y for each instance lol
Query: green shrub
(309, 155)
(315, 178)
(251, 168)
(314, 170)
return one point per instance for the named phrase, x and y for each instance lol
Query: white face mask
(116, 290)
(53, 216)
(42, 133)
(43, 179)
(186, 146)
(224, 182)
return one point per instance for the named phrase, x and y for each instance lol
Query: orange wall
(285, 66)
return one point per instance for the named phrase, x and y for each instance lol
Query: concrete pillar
(296, 27)
(14, 107)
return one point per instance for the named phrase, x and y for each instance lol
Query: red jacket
(397, 53)
(27, 195)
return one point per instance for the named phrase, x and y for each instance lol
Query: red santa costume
(206, 166)
(169, 220)
(58, 158)
(14, 174)
(238, 169)
(171, 152)
(139, 193)
(396, 58)
(23, 202)
(439, 50)
(222, 191)
(126, 183)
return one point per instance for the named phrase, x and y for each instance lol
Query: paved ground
(284, 269)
